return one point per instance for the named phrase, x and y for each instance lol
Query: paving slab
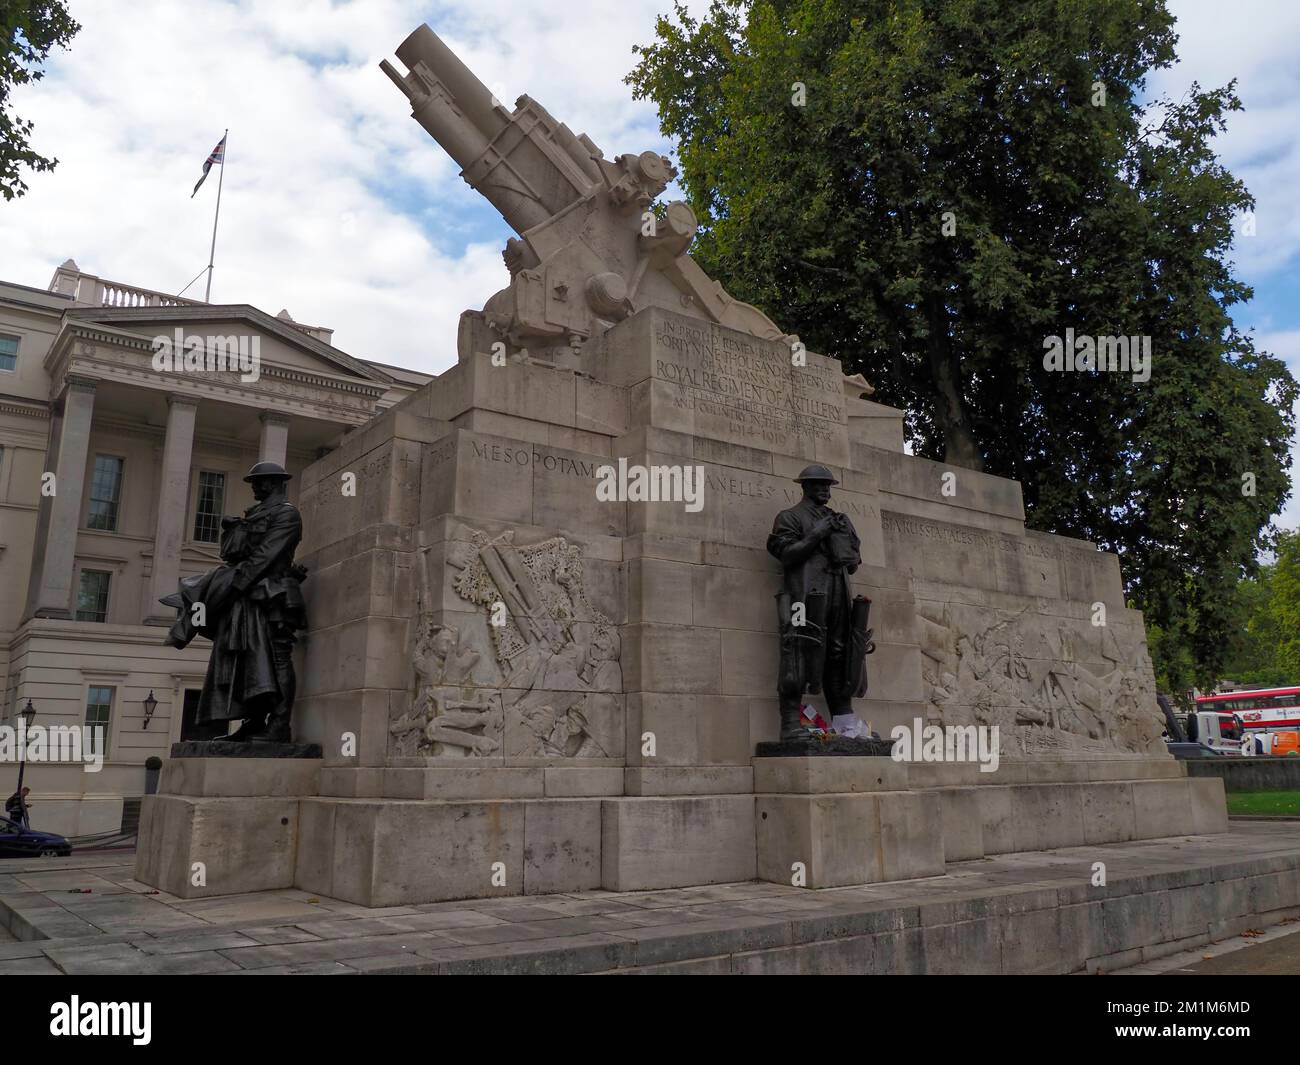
(1163, 901)
(40, 966)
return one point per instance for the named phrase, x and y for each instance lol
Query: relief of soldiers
(818, 549)
(251, 608)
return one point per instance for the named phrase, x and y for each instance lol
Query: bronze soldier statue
(251, 609)
(824, 634)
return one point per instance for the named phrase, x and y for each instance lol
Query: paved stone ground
(99, 920)
(1274, 953)
(1267, 951)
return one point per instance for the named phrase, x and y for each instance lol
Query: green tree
(1252, 652)
(1172, 661)
(1282, 621)
(927, 190)
(30, 28)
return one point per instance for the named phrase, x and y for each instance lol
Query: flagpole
(212, 253)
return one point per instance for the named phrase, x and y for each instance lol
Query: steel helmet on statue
(269, 469)
(816, 473)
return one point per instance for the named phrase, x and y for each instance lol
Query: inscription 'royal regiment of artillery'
(750, 384)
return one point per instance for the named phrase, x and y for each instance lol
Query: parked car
(19, 842)
(1193, 750)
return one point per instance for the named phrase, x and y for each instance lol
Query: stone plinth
(230, 777)
(677, 841)
(819, 776)
(222, 825)
(197, 847)
(832, 821)
(1001, 819)
(832, 840)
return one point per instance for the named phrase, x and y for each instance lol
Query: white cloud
(1285, 345)
(335, 204)
(1254, 42)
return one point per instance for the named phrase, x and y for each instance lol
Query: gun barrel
(472, 98)
(452, 105)
(398, 80)
(532, 172)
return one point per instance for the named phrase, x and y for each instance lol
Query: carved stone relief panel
(531, 670)
(1052, 684)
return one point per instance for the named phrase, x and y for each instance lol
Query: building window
(8, 352)
(92, 595)
(99, 712)
(105, 492)
(207, 515)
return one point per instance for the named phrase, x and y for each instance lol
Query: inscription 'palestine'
(749, 384)
(912, 529)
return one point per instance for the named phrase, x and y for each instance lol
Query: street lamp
(28, 714)
(150, 705)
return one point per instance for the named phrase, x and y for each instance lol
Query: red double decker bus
(1261, 708)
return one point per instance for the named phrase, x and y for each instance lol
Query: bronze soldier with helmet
(824, 634)
(251, 609)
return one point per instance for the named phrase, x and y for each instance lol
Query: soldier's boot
(277, 727)
(250, 728)
(791, 727)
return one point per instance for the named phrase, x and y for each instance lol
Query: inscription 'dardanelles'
(750, 384)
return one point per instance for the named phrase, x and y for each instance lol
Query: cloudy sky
(337, 206)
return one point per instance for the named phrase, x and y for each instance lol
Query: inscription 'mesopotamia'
(751, 384)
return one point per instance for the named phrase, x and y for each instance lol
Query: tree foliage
(928, 189)
(30, 28)
(1264, 649)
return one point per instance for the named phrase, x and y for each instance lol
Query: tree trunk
(959, 446)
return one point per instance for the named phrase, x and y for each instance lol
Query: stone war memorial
(546, 647)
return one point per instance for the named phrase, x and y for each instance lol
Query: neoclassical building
(115, 469)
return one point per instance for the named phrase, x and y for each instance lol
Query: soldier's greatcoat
(812, 567)
(253, 600)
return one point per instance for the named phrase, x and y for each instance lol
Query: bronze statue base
(249, 749)
(814, 745)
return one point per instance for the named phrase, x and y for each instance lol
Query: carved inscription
(717, 480)
(914, 529)
(748, 385)
(524, 455)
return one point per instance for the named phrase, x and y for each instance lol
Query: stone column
(54, 590)
(274, 445)
(173, 493)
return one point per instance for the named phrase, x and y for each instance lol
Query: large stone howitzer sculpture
(590, 250)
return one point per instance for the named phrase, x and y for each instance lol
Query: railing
(91, 291)
(113, 294)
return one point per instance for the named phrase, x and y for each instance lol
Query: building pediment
(284, 342)
(290, 376)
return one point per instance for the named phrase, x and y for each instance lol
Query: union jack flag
(218, 156)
